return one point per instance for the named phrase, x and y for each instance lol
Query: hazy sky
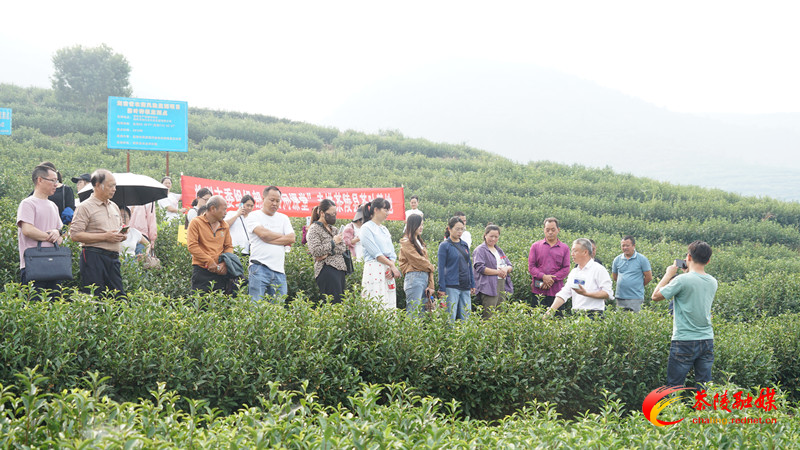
(301, 59)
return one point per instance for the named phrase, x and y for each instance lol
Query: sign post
(5, 121)
(146, 124)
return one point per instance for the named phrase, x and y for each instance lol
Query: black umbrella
(132, 189)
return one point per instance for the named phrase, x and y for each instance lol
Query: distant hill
(529, 113)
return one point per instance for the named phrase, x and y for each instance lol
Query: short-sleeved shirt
(376, 241)
(630, 275)
(270, 255)
(694, 294)
(594, 277)
(170, 200)
(130, 242)
(94, 216)
(410, 212)
(239, 235)
(42, 214)
(466, 236)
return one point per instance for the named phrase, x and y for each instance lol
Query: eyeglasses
(52, 180)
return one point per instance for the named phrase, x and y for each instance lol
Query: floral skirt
(376, 285)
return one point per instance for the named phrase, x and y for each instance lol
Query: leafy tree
(88, 76)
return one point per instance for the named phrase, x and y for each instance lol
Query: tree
(88, 76)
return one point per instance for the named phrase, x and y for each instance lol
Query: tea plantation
(170, 368)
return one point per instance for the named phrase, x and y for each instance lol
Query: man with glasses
(38, 221)
(97, 225)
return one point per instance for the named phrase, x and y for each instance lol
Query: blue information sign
(5, 121)
(144, 124)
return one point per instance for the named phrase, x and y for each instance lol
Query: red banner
(295, 201)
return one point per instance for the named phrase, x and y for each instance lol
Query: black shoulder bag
(48, 263)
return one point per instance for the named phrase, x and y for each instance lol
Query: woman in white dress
(378, 279)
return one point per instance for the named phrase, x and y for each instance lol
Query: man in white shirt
(236, 220)
(414, 203)
(269, 232)
(589, 284)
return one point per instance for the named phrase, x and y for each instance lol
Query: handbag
(150, 261)
(348, 262)
(48, 263)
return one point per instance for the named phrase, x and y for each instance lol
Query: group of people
(104, 229)
(553, 280)
(263, 234)
(266, 235)
(96, 224)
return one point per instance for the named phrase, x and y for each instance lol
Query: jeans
(683, 355)
(459, 303)
(414, 286)
(265, 281)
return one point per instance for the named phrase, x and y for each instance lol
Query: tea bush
(231, 352)
(226, 350)
(375, 416)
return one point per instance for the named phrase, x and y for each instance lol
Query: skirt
(375, 285)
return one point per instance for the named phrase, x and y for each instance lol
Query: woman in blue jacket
(455, 271)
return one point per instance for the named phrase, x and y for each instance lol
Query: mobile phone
(124, 229)
(538, 283)
(681, 264)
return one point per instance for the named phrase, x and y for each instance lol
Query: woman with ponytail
(327, 247)
(379, 256)
(416, 267)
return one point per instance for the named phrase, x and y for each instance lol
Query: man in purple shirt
(548, 264)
